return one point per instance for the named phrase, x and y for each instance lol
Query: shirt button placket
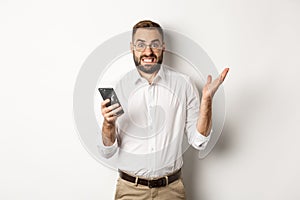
(151, 127)
(148, 103)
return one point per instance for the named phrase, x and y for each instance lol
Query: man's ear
(131, 47)
(163, 46)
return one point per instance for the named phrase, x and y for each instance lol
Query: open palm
(211, 87)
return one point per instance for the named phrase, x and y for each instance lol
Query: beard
(148, 68)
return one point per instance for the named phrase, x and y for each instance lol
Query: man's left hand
(211, 87)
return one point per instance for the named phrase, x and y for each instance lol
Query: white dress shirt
(150, 132)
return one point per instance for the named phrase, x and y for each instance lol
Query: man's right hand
(109, 113)
(110, 117)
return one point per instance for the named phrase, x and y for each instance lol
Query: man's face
(147, 48)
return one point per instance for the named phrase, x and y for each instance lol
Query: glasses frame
(148, 45)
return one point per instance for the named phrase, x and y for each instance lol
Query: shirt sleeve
(106, 151)
(196, 139)
(200, 141)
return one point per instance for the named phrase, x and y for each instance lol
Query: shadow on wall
(193, 170)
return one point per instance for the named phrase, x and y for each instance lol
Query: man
(160, 106)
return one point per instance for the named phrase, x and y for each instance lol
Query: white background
(44, 43)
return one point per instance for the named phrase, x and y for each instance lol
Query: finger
(209, 78)
(224, 74)
(110, 115)
(103, 103)
(112, 107)
(111, 119)
(108, 109)
(107, 116)
(117, 109)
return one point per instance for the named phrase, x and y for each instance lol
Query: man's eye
(141, 45)
(154, 45)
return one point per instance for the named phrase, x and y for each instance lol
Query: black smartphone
(109, 93)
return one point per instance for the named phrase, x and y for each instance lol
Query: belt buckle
(158, 182)
(149, 184)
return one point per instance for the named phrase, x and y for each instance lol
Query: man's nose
(148, 50)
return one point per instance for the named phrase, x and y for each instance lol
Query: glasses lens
(155, 46)
(141, 46)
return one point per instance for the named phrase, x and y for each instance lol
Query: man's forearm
(108, 133)
(205, 117)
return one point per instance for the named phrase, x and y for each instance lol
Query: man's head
(147, 46)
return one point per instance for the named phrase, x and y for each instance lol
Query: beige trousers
(129, 191)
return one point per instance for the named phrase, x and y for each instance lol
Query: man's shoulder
(130, 75)
(175, 75)
(127, 80)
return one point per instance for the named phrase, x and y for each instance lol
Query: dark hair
(148, 24)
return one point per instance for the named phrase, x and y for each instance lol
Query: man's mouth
(148, 60)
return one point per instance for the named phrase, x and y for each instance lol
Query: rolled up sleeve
(106, 151)
(200, 141)
(196, 139)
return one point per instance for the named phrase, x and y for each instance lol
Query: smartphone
(109, 93)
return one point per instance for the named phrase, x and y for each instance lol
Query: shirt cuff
(200, 141)
(108, 151)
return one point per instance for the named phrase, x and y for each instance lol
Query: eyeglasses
(141, 46)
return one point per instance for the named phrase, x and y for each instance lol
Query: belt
(151, 183)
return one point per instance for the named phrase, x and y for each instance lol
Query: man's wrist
(206, 100)
(108, 141)
(108, 124)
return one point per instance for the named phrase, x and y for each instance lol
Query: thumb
(209, 78)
